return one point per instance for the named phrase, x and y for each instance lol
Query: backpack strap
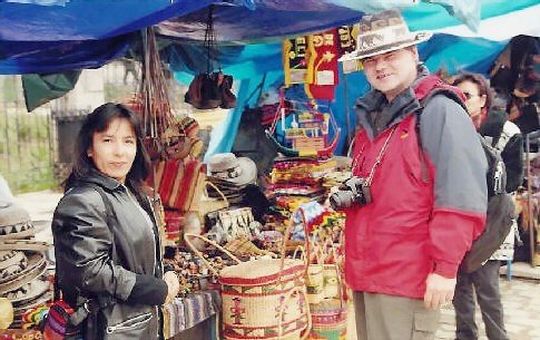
(430, 86)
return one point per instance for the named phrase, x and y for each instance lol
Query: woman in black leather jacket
(107, 247)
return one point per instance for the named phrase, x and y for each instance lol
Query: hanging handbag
(63, 322)
(228, 99)
(211, 90)
(204, 92)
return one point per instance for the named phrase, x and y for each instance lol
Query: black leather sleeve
(512, 156)
(148, 290)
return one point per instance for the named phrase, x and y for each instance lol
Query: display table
(185, 313)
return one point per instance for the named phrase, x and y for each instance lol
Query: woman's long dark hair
(98, 121)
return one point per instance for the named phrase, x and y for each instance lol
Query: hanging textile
(308, 133)
(294, 61)
(347, 44)
(323, 65)
(42, 88)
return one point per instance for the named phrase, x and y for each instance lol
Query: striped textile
(184, 313)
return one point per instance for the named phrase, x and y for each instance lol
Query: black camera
(353, 190)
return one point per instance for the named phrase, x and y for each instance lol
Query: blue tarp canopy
(453, 47)
(50, 36)
(46, 36)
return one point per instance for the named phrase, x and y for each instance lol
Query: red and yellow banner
(323, 65)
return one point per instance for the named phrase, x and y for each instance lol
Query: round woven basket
(261, 299)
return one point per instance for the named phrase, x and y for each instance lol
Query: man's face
(392, 72)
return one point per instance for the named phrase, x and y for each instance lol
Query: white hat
(227, 166)
(15, 223)
(383, 32)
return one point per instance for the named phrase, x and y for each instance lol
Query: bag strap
(424, 91)
(379, 158)
(86, 306)
(105, 301)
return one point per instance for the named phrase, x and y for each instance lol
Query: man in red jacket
(419, 189)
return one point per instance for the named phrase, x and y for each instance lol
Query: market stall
(264, 220)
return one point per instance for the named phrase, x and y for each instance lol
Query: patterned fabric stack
(299, 176)
(184, 313)
(22, 263)
(295, 181)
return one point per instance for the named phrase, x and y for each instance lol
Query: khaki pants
(386, 317)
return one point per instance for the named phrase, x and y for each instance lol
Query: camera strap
(380, 156)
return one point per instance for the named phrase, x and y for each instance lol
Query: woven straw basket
(326, 296)
(329, 320)
(314, 276)
(329, 316)
(262, 299)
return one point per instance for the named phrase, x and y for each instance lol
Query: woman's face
(113, 150)
(474, 100)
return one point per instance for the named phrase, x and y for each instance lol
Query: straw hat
(28, 292)
(15, 223)
(12, 263)
(227, 166)
(384, 32)
(35, 267)
(6, 313)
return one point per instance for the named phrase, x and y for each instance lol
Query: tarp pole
(347, 108)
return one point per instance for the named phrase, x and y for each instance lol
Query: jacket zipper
(130, 323)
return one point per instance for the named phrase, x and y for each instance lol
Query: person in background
(107, 247)
(423, 187)
(505, 137)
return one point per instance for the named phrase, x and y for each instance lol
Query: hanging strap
(259, 88)
(210, 41)
(379, 158)
(86, 306)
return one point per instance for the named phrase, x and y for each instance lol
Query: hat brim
(249, 172)
(36, 287)
(419, 37)
(36, 267)
(30, 245)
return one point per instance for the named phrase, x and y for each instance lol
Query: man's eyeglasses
(469, 95)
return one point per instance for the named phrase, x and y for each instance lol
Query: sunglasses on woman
(469, 95)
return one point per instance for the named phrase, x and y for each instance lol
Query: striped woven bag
(57, 325)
